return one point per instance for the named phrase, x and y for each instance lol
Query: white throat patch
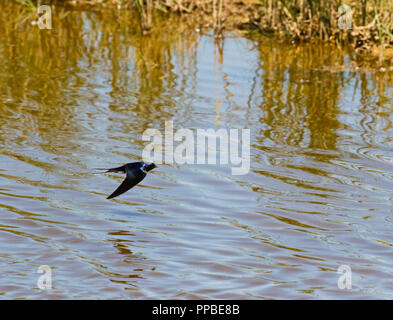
(143, 168)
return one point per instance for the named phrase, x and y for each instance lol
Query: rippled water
(79, 96)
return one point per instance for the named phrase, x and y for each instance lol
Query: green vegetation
(371, 20)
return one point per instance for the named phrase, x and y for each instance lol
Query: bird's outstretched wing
(130, 181)
(118, 169)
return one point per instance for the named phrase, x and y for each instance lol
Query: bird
(135, 173)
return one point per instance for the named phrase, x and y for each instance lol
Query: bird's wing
(130, 181)
(118, 169)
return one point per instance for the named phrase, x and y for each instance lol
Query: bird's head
(150, 166)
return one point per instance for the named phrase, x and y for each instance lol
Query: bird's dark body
(135, 173)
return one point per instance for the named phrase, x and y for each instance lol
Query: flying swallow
(135, 173)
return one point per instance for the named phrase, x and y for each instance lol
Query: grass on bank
(371, 20)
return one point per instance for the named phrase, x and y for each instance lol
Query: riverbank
(366, 25)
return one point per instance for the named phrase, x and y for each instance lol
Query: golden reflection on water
(79, 96)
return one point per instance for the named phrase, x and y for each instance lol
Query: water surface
(80, 96)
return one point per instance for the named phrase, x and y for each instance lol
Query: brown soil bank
(365, 24)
